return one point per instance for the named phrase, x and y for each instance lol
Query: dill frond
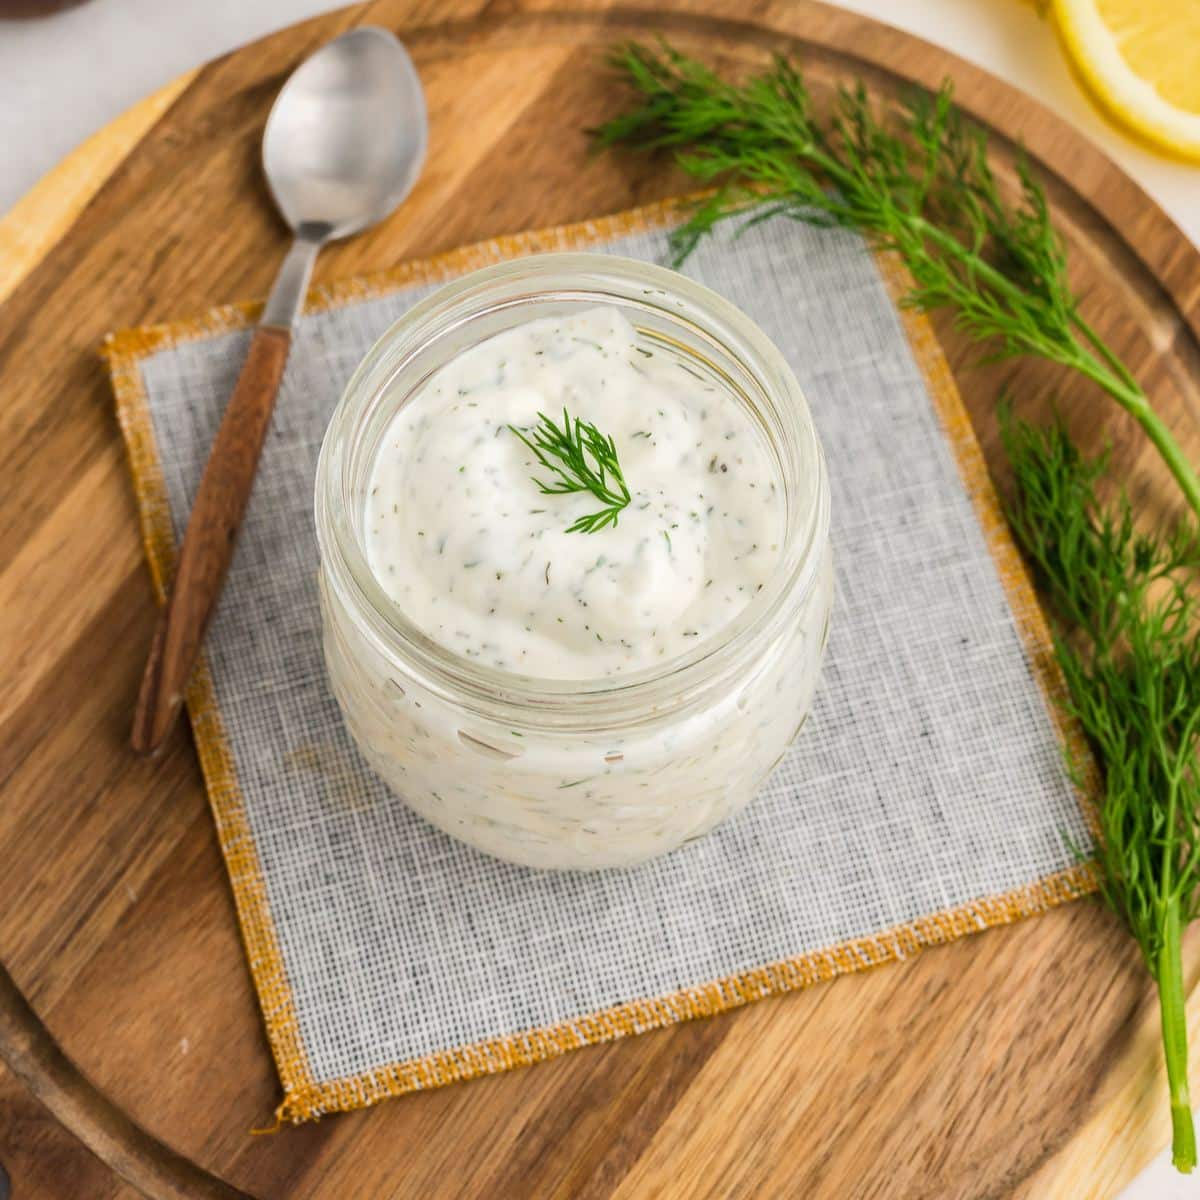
(580, 459)
(919, 184)
(1132, 668)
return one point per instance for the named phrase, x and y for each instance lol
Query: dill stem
(1172, 453)
(1169, 970)
(1105, 351)
(1171, 1000)
(1134, 401)
(1111, 373)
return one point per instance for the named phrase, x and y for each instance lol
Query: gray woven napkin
(927, 796)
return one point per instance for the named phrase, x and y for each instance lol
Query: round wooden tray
(1023, 1062)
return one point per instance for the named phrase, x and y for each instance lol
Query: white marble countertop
(61, 78)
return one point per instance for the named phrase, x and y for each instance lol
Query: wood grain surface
(1022, 1062)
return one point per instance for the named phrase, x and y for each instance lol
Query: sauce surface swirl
(467, 546)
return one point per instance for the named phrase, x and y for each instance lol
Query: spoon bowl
(347, 136)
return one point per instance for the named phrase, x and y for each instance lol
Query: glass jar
(575, 773)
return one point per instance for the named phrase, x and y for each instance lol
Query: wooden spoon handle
(208, 544)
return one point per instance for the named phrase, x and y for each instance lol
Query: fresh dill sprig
(581, 459)
(920, 185)
(1133, 672)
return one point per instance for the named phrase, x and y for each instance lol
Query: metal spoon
(343, 146)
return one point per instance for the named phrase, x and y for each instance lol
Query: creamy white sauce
(463, 541)
(469, 549)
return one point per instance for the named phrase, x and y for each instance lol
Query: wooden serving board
(1022, 1062)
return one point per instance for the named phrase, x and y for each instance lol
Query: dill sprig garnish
(581, 459)
(1133, 672)
(920, 185)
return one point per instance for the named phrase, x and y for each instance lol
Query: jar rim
(591, 278)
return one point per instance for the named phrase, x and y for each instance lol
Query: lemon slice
(1141, 59)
